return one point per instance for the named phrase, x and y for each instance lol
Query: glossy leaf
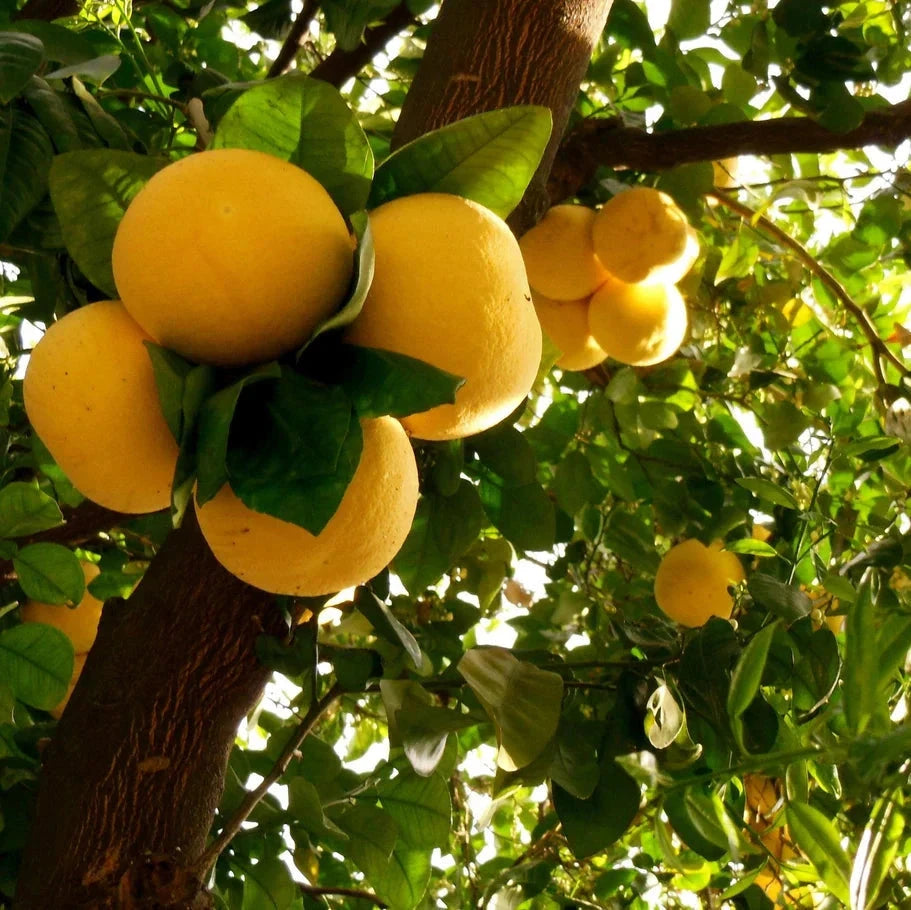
(488, 158)
(420, 806)
(385, 624)
(817, 837)
(20, 57)
(768, 491)
(24, 510)
(50, 573)
(26, 153)
(36, 662)
(783, 600)
(748, 671)
(861, 697)
(307, 122)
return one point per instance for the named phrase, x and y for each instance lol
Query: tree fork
(132, 777)
(483, 56)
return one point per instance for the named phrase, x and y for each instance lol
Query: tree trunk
(487, 54)
(136, 768)
(133, 776)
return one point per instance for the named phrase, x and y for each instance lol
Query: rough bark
(486, 55)
(134, 773)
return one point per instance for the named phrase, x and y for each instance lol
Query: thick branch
(606, 143)
(341, 65)
(295, 38)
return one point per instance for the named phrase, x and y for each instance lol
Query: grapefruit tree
(548, 685)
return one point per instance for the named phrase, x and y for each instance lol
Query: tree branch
(341, 65)
(253, 798)
(810, 262)
(342, 892)
(293, 41)
(598, 143)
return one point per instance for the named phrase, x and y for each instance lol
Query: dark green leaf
(108, 128)
(306, 808)
(26, 153)
(574, 485)
(36, 662)
(25, 510)
(20, 57)
(53, 114)
(783, 600)
(61, 44)
(91, 190)
(861, 695)
(769, 491)
(489, 158)
(443, 529)
(689, 18)
(171, 372)
(818, 838)
(307, 122)
(385, 624)
(347, 19)
(692, 816)
(354, 666)
(50, 573)
(267, 884)
(592, 824)
(748, 671)
(294, 659)
(506, 452)
(383, 382)
(523, 515)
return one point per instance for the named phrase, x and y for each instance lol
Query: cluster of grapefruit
(604, 282)
(232, 258)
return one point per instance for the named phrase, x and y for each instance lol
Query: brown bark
(132, 778)
(606, 143)
(486, 55)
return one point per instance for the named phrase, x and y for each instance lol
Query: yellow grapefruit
(90, 395)
(638, 324)
(566, 323)
(232, 256)
(79, 624)
(450, 289)
(359, 541)
(559, 256)
(641, 236)
(692, 581)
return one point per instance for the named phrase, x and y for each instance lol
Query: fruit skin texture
(79, 624)
(638, 324)
(642, 237)
(450, 289)
(90, 395)
(691, 584)
(368, 529)
(559, 255)
(232, 256)
(566, 323)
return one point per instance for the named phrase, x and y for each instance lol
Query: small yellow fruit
(232, 256)
(566, 323)
(368, 529)
(642, 237)
(559, 255)
(78, 664)
(90, 395)
(450, 289)
(692, 581)
(638, 324)
(79, 624)
(724, 173)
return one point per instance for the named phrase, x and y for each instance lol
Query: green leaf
(748, 671)
(20, 57)
(60, 44)
(354, 666)
(171, 372)
(693, 816)
(768, 491)
(592, 824)
(402, 881)
(689, 18)
(488, 158)
(819, 840)
(876, 852)
(783, 600)
(24, 510)
(36, 662)
(215, 418)
(307, 122)
(385, 624)
(665, 719)
(372, 835)
(347, 19)
(384, 382)
(420, 806)
(91, 190)
(26, 153)
(96, 70)
(50, 573)
(574, 484)
(306, 808)
(443, 529)
(267, 884)
(53, 114)
(522, 701)
(523, 515)
(749, 547)
(861, 695)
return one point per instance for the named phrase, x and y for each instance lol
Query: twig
(293, 41)
(341, 65)
(823, 274)
(253, 797)
(343, 892)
